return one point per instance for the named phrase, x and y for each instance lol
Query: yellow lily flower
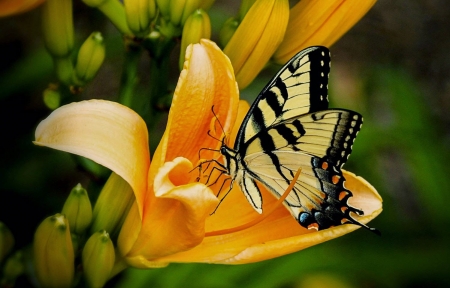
(170, 220)
(313, 22)
(257, 38)
(13, 7)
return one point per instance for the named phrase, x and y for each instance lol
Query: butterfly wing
(299, 87)
(289, 127)
(319, 143)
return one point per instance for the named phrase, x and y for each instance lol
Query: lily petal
(206, 81)
(323, 22)
(106, 132)
(174, 221)
(278, 234)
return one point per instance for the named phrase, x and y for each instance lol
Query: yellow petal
(206, 81)
(323, 22)
(277, 235)
(11, 7)
(173, 221)
(263, 29)
(106, 132)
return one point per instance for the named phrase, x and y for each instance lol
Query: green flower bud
(227, 31)
(78, 210)
(164, 7)
(139, 15)
(53, 252)
(206, 4)
(114, 10)
(57, 27)
(181, 9)
(13, 268)
(51, 97)
(112, 206)
(90, 58)
(98, 259)
(245, 6)
(197, 26)
(6, 241)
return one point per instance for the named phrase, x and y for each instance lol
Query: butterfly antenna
(220, 124)
(210, 135)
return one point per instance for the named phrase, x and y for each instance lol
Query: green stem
(129, 76)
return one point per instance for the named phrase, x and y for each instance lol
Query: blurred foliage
(396, 77)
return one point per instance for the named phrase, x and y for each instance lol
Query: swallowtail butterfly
(289, 126)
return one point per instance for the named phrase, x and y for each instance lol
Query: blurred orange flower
(12, 7)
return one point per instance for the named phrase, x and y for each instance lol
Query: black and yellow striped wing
(289, 126)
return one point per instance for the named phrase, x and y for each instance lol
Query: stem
(129, 76)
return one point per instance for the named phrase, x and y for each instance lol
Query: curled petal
(279, 234)
(323, 22)
(206, 83)
(105, 132)
(174, 221)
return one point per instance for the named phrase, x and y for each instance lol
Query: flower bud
(139, 15)
(112, 205)
(206, 4)
(197, 26)
(6, 241)
(164, 7)
(314, 22)
(57, 24)
(53, 252)
(98, 259)
(227, 31)
(13, 268)
(114, 10)
(52, 97)
(263, 29)
(78, 210)
(244, 7)
(90, 58)
(181, 9)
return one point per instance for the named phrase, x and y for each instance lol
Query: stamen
(262, 216)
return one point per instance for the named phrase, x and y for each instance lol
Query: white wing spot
(350, 130)
(321, 74)
(322, 63)
(323, 53)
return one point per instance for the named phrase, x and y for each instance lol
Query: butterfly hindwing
(318, 197)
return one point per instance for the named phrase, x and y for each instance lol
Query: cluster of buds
(64, 237)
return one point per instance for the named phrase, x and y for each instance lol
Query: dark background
(393, 67)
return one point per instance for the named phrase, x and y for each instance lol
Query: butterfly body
(289, 126)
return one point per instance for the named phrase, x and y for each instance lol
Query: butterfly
(289, 126)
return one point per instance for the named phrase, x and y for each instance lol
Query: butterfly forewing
(300, 87)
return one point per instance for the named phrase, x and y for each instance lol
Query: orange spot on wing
(325, 165)
(342, 195)
(335, 179)
(313, 226)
